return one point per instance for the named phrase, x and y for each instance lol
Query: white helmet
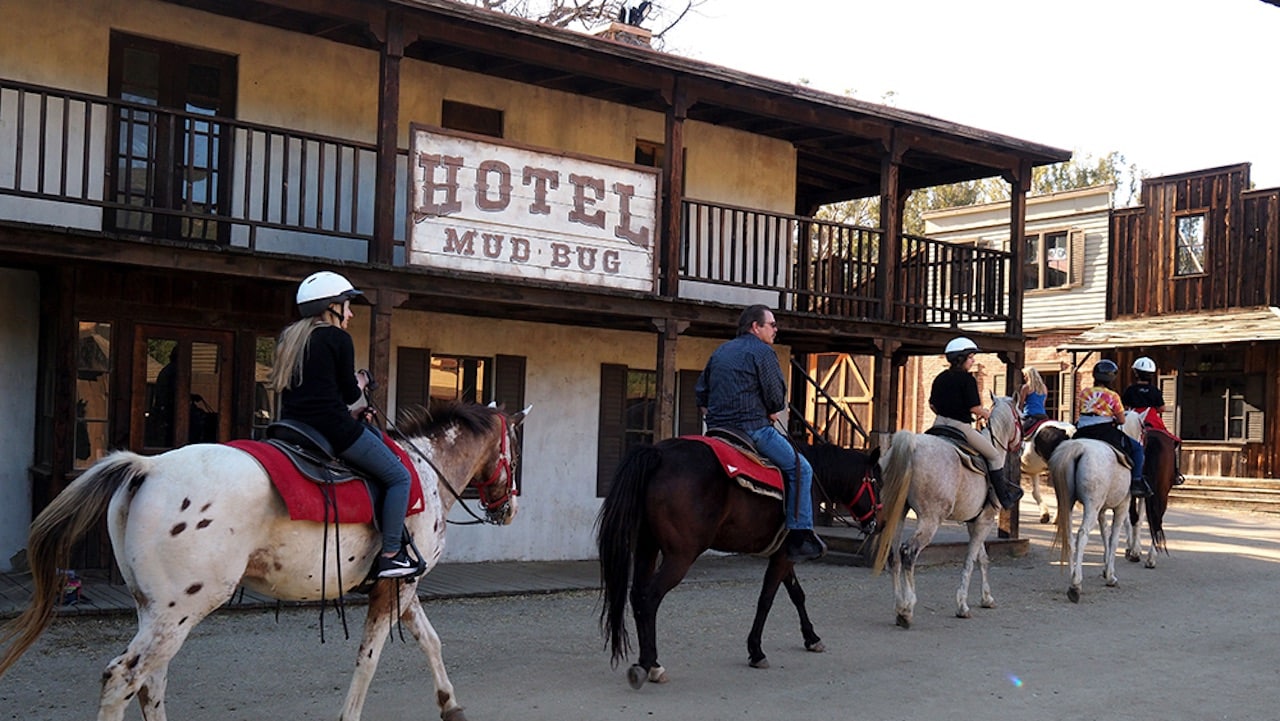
(318, 290)
(958, 348)
(1145, 364)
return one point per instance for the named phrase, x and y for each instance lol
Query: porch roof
(1236, 325)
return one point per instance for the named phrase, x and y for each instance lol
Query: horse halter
(505, 468)
(868, 488)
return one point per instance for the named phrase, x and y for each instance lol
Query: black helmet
(1105, 371)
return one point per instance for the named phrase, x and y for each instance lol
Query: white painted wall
(19, 341)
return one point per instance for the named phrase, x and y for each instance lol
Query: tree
(594, 14)
(1082, 171)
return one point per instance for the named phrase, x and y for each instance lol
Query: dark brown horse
(1160, 468)
(674, 499)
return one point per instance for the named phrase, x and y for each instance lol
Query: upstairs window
(471, 118)
(1189, 252)
(1053, 260)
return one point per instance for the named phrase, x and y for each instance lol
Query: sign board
(488, 207)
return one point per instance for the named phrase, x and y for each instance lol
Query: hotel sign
(517, 212)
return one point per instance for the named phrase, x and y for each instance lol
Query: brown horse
(1161, 469)
(674, 498)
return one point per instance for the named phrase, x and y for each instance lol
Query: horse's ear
(518, 418)
(874, 456)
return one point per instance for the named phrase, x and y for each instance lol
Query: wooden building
(1195, 285)
(535, 215)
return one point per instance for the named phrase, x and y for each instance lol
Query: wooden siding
(1240, 246)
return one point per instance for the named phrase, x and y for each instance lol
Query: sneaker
(398, 566)
(1179, 479)
(804, 545)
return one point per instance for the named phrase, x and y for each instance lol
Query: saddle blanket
(337, 503)
(742, 468)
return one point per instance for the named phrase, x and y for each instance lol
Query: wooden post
(890, 226)
(382, 249)
(669, 331)
(384, 302)
(1020, 183)
(884, 409)
(673, 185)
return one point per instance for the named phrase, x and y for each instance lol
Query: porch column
(673, 184)
(382, 249)
(1007, 522)
(890, 225)
(669, 331)
(884, 402)
(384, 302)
(1019, 184)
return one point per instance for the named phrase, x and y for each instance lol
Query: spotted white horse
(191, 524)
(1035, 455)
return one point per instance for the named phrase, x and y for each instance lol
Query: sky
(1173, 85)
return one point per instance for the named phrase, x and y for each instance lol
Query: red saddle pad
(739, 465)
(305, 498)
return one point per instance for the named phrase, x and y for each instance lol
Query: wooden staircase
(1250, 494)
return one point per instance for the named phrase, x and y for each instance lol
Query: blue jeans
(372, 456)
(795, 468)
(1137, 455)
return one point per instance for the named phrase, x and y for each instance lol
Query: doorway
(182, 388)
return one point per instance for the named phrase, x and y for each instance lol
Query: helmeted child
(1143, 395)
(1102, 415)
(954, 398)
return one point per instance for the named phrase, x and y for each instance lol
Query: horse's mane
(415, 421)
(1004, 425)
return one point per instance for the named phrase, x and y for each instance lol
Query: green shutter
(612, 427)
(688, 419)
(413, 377)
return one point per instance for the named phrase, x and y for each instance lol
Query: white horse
(926, 473)
(1035, 460)
(191, 524)
(1090, 471)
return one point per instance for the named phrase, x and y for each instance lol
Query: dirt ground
(1194, 638)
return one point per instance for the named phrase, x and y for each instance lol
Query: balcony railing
(97, 163)
(813, 266)
(73, 160)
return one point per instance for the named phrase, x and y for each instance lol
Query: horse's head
(496, 478)
(1134, 424)
(850, 478)
(1004, 423)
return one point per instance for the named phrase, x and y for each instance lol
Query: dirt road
(1193, 639)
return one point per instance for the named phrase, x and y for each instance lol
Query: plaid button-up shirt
(741, 385)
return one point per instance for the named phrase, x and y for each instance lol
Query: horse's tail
(897, 482)
(617, 528)
(53, 533)
(1063, 469)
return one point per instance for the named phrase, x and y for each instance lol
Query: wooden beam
(382, 249)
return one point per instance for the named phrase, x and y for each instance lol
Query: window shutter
(413, 378)
(1067, 396)
(612, 428)
(1254, 425)
(508, 392)
(1168, 386)
(999, 384)
(1075, 246)
(688, 419)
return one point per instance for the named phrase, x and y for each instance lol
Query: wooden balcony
(128, 170)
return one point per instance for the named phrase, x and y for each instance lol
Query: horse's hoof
(1073, 594)
(904, 621)
(816, 647)
(759, 663)
(1113, 582)
(1150, 564)
(1132, 557)
(658, 674)
(636, 676)
(1044, 518)
(964, 613)
(454, 714)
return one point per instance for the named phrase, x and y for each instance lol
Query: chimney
(626, 34)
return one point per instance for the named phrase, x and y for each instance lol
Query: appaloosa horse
(926, 474)
(191, 524)
(675, 500)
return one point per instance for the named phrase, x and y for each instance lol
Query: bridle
(867, 487)
(496, 509)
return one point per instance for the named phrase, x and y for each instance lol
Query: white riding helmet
(1145, 364)
(959, 348)
(318, 290)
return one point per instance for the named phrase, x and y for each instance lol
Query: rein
(504, 464)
